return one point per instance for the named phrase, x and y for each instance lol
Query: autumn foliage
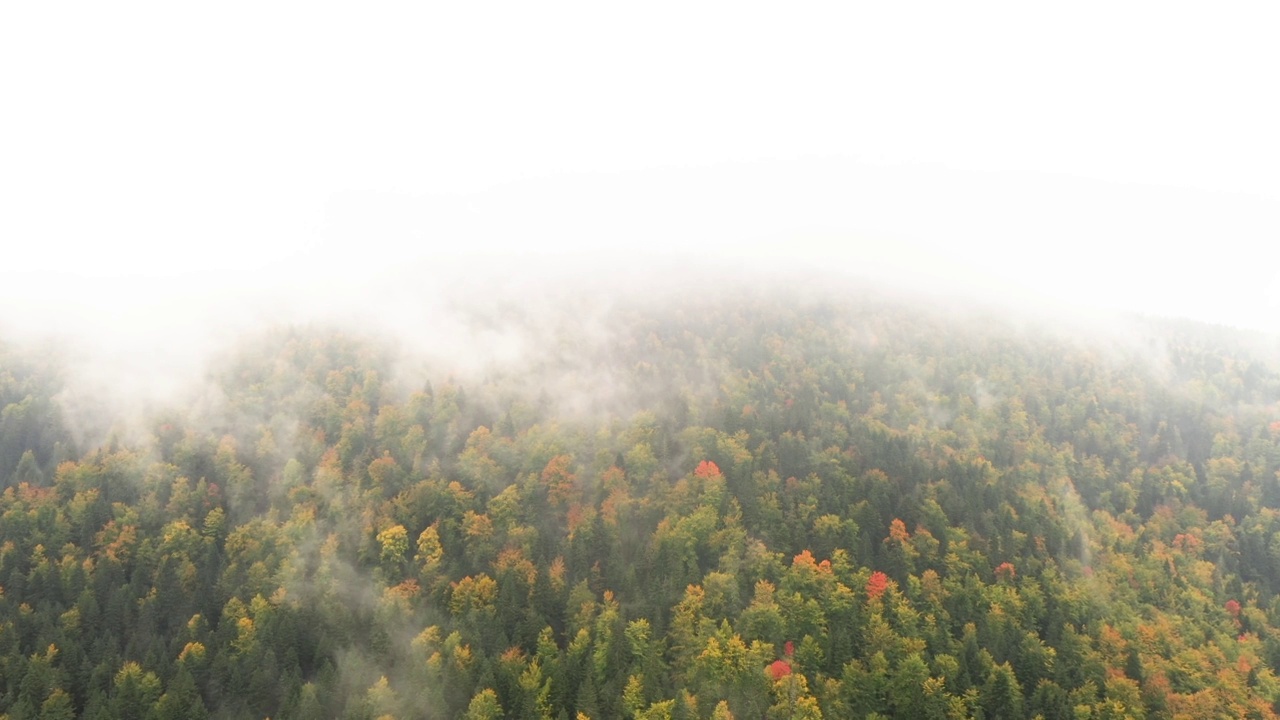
(706, 469)
(898, 532)
(559, 479)
(547, 566)
(877, 584)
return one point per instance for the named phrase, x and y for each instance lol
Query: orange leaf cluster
(1187, 542)
(898, 532)
(806, 559)
(877, 584)
(559, 478)
(707, 469)
(405, 591)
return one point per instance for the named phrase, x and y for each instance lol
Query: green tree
(1001, 694)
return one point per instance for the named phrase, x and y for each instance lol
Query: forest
(698, 506)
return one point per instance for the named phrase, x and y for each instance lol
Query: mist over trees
(706, 505)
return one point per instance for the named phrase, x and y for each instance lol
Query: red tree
(877, 584)
(707, 469)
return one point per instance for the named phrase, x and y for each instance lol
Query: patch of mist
(1076, 515)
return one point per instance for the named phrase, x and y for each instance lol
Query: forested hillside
(718, 506)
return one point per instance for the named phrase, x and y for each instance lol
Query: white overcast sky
(166, 164)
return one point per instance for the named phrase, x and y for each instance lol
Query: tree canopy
(734, 506)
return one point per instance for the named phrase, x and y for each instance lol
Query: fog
(172, 179)
(485, 193)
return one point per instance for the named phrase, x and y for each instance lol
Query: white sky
(168, 165)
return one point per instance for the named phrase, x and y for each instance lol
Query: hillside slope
(740, 505)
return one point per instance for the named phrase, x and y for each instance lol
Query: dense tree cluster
(729, 508)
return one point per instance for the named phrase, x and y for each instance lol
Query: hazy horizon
(173, 176)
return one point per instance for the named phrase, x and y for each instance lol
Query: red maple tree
(877, 584)
(707, 469)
